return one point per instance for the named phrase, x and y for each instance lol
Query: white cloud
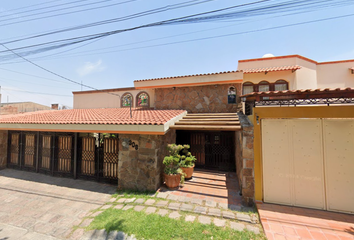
(90, 67)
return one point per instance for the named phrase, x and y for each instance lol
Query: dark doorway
(213, 150)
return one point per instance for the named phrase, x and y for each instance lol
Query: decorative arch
(125, 100)
(263, 86)
(281, 85)
(248, 87)
(142, 99)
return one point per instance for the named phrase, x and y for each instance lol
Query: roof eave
(96, 128)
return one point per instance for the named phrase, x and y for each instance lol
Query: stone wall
(141, 169)
(245, 160)
(3, 149)
(200, 99)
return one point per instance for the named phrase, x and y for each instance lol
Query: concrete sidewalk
(36, 206)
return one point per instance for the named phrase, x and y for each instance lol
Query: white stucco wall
(335, 75)
(97, 99)
(266, 62)
(306, 77)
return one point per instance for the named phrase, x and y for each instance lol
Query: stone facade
(3, 149)
(200, 99)
(245, 160)
(141, 169)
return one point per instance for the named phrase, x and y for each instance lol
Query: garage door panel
(276, 166)
(308, 163)
(339, 163)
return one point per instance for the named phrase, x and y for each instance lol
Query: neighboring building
(294, 72)
(303, 116)
(120, 135)
(21, 107)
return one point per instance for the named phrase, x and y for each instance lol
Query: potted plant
(187, 161)
(172, 172)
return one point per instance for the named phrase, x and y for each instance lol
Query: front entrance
(309, 163)
(213, 150)
(88, 156)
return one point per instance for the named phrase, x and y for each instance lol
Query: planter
(188, 171)
(172, 181)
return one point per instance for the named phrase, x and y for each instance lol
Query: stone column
(140, 160)
(248, 166)
(245, 160)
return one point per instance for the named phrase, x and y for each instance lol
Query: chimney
(55, 106)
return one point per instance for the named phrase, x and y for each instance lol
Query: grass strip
(136, 194)
(155, 227)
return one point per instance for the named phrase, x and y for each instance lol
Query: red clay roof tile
(195, 75)
(109, 116)
(272, 69)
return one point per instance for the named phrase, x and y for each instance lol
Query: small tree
(172, 161)
(187, 159)
(179, 157)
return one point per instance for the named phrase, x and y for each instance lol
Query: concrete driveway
(36, 206)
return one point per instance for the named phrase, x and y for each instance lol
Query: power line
(114, 20)
(31, 82)
(31, 75)
(37, 9)
(296, 6)
(56, 74)
(213, 37)
(61, 14)
(32, 5)
(104, 34)
(50, 94)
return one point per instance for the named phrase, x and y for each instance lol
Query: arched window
(247, 87)
(142, 100)
(127, 99)
(281, 85)
(263, 86)
(231, 95)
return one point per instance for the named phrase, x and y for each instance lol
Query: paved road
(36, 206)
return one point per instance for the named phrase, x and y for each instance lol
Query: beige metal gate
(339, 163)
(306, 163)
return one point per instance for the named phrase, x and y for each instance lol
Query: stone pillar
(3, 148)
(140, 160)
(245, 160)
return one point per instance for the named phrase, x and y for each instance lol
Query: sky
(319, 32)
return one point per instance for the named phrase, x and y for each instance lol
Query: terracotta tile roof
(291, 92)
(272, 69)
(195, 75)
(104, 116)
(279, 57)
(105, 90)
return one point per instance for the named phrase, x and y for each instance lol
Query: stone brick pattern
(200, 99)
(245, 160)
(3, 149)
(141, 169)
